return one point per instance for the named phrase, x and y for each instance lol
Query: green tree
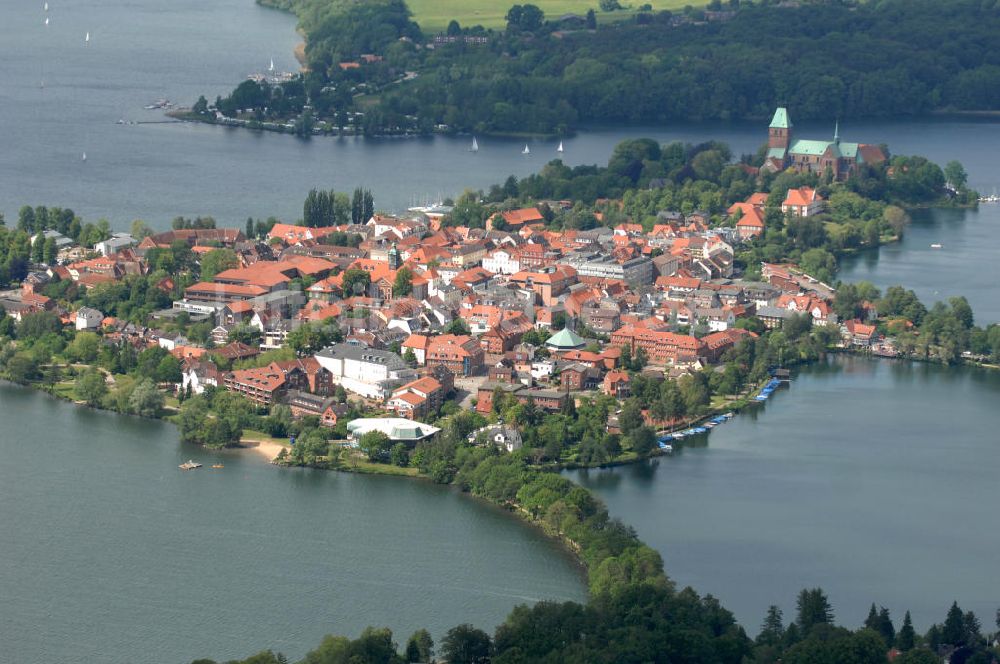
(955, 174)
(813, 609)
(376, 445)
(907, 637)
(355, 282)
(399, 456)
(772, 630)
(22, 368)
(145, 400)
(49, 251)
(36, 325)
(85, 347)
(642, 440)
(216, 261)
(403, 285)
(465, 644)
(168, 370)
(420, 647)
(90, 387)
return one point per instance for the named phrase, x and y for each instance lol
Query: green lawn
(434, 15)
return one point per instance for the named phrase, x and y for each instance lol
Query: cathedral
(815, 156)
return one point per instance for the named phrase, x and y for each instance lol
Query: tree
(216, 261)
(38, 324)
(813, 609)
(955, 174)
(465, 644)
(355, 282)
(85, 347)
(630, 418)
(49, 251)
(907, 637)
(772, 630)
(22, 368)
(168, 370)
(90, 387)
(420, 647)
(399, 455)
(953, 631)
(457, 326)
(376, 445)
(145, 400)
(643, 440)
(591, 19)
(454, 29)
(404, 282)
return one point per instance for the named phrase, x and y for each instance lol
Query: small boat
(46, 20)
(700, 430)
(560, 148)
(667, 448)
(935, 246)
(728, 416)
(189, 465)
(86, 40)
(526, 150)
(45, 6)
(84, 157)
(217, 465)
(475, 145)
(271, 66)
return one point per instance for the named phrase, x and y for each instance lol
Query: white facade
(370, 373)
(88, 319)
(501, 262)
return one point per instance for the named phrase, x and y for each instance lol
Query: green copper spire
(780, 119)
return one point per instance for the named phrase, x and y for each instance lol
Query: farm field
(434, 15)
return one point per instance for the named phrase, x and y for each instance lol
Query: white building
(115, 243)
(396, 428)
(501, 262)
(369, 372)
(88, 319)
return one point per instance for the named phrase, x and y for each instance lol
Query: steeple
(394, 259)
(779, 133)
(836, 133)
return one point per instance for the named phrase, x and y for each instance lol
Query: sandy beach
(266, 448)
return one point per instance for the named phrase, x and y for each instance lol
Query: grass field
(434, 15)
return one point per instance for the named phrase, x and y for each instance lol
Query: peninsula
(581, 316)
(375, 68)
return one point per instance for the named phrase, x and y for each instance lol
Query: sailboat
(86, 40)
(560, 148)
(84, 156)
(475, 145)
(46, 20)
(46, 6)
(525, 150)
(271, 67)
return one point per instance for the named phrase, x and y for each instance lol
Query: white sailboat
(271, 66)
(475, 145)
(84, 156)
(46, 6)
(560, 148)
(86, 40)
(525, 150)
(46, 20)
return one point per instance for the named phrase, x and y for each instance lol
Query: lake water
(110, 553)
(872, 479)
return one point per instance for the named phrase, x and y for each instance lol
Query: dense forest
(823, 60)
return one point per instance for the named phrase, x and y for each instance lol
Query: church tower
(394, 258)
(779, 134)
